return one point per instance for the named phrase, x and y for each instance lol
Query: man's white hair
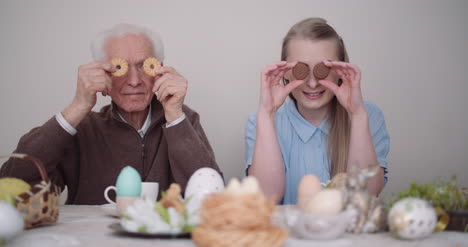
(97, 45)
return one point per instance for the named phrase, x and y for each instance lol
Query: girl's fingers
(342, 75)
(356, 72)
(292, 85)
(330, 85)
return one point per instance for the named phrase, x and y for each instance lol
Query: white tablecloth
(89, 226)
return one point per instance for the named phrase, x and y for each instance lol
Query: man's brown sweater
(91, 160)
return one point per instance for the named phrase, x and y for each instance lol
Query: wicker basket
(39, 205)
(271, 236)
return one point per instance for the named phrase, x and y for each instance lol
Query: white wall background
(413, 55)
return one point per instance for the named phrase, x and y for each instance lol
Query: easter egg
(308, 187)
(203, 182)
(11, 187)
(328, 201)
(129, 182)
(412, 218)
(249, 185)
(11, 222)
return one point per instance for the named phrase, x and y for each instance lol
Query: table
(88, 226)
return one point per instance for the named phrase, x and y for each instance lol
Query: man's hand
(170, 89)
(92, 79)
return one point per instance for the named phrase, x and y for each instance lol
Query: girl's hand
(349, 92)
(272, 93)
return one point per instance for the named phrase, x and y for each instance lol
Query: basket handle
(35, 160)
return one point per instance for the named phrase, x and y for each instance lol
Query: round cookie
(301, 71)
(120, 65)
(321, 71)
(150, 66)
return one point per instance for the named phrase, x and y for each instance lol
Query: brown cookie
(301, 71)
(321, 71)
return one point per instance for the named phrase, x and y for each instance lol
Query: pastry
(172, 198)
(150, 66)
(120, 65)
(321, 71)
(301, 71)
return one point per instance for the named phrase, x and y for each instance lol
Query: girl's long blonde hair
(340, 126)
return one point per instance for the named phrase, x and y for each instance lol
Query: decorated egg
(327, 201)
(308, 187)
(234, 187)
(249, 185)
(129, 182)
(11, 222)
(412, 218)
(203, 181)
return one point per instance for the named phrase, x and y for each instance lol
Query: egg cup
(313, 226)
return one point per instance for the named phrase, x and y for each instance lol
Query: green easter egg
(129, 182)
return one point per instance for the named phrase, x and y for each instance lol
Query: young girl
(324, 129)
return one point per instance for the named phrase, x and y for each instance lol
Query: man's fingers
(165, 70)
(108, 68)
(166, 92)
(160, 81)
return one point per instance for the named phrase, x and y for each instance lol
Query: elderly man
(85, 150)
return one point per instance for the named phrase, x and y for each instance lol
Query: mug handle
(106, 196)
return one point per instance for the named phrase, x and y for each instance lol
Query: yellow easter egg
(308, 187)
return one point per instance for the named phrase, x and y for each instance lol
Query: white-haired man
(159, 136)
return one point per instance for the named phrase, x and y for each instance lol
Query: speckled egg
(128, 182)
(204, 181)
(308, 187)
(412, 218)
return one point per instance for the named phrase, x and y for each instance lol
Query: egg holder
(313, 226)
(458, 221)
(39, 205)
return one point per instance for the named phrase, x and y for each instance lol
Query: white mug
(109, 188)
(122, 201)
(150, 190)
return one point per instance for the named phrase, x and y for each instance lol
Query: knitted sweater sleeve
(49, 143)
(188, 148)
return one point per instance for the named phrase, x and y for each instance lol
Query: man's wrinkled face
(133, 91)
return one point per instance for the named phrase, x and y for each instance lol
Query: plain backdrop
(413, 55)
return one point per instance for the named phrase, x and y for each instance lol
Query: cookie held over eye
(120, 65)
(321, 71)
(150, 66)
(301, 71)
